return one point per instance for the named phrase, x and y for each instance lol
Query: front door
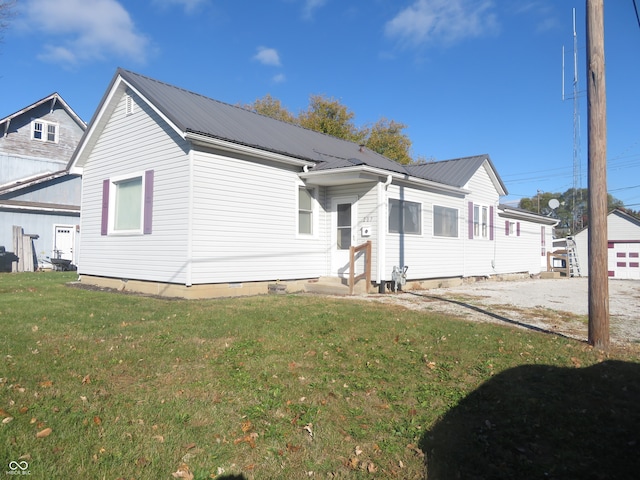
(63, 242)
(343, 233)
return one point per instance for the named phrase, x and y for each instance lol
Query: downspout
(188, 273)
(382, 232)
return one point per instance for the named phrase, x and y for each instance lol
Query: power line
(635, 6)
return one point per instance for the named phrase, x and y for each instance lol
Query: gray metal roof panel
(456, 172)
(192, 112)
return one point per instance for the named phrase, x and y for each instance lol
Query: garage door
(624, 260)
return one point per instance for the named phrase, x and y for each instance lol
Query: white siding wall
(130, 144)
(426, 255)
(480, 253)
(245, 223)
(517, 254)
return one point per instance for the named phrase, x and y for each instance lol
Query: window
(445, 222)
(37, 130)
(305, 211)
(485, 216)
(480, 227)
(405, 217)
(127, 204)
(476, 220)
(44, 131)
(511, 228)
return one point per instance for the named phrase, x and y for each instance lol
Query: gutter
(523, 215)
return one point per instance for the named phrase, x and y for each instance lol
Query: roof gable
(458, 171)
(54, 99)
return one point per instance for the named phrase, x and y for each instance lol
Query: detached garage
(623, 233)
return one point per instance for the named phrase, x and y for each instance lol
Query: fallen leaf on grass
(183, 472)
(44, 433)
(86, 380)
(46, 384)
(309, 428)
(6, 420)
(97, 420)
(4, 413)
(250, 439)
(246, 426)
(292, 448)
(24, 410)
(159, 438)
(416, 450)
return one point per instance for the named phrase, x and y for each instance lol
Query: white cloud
(442, 21)
(310, 6)
(189, 5)
(84, 30)
(268, 56)
(280, 78)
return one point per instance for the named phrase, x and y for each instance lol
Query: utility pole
(597, 133)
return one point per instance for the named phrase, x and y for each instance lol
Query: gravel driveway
(557, 305)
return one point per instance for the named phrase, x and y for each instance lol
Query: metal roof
(192, 113)
(195, 113)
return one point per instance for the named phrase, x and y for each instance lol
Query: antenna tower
(576, 204)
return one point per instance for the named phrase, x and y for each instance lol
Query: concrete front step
(334, 286)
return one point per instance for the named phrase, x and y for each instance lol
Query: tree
(565, 211)
(328, 115)
(386, 138)
(271, 107)
(6, 13)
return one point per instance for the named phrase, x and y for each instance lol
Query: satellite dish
(554, 203)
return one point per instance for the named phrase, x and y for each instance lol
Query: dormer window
(44, 131)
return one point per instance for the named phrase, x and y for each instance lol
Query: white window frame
(113, 192)
(401, 230)
(314, 210)
(44, 131)
(480, 221)
(457, 210)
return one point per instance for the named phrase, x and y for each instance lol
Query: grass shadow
(492, 314)
(538, 421)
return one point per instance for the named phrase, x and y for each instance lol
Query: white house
(185, 195)
(38, 196)
(623, 234)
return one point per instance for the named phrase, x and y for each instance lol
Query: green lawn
(100, 385)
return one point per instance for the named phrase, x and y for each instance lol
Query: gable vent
(129, 105)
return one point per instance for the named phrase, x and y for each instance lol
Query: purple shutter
(490, 223)
(506, 228)
(104, 225)
(518, 229)
(148, 202)
(470, 220)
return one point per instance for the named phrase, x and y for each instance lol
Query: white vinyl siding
(129, 145)
(244, 223)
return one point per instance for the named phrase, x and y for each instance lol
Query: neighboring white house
(185, 195)
(37, 193)
(623, 234)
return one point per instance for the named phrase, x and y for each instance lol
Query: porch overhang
(363, 174)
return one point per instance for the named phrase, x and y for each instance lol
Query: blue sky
(466, 76)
